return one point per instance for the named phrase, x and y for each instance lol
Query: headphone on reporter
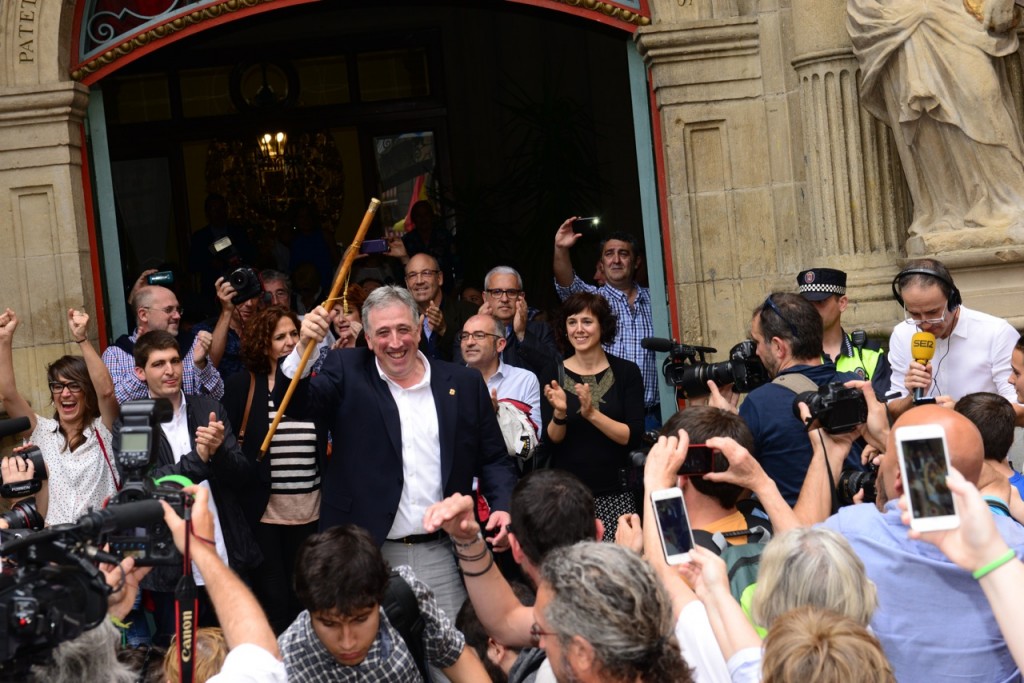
(953, 298)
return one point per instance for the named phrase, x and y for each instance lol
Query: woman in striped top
(283, 499)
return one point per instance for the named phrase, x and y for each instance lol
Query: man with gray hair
(408, 431)
(602, 617)
(277, 288)
(529, 344)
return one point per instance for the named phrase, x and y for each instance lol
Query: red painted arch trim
(94, 253)
(614, 14)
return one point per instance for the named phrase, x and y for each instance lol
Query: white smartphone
(673, 524)
(924, 464)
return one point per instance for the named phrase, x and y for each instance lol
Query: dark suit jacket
(363, 481)
(455, 313)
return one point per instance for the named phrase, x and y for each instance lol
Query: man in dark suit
(408, 432)
(443, 315)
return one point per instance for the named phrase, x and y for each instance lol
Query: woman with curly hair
(76, 441)
(283, 499)
(595, 411)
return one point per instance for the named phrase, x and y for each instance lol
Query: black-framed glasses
(424, 274)
(536, 632)
(499, 293)
(59, 387)
(167, 310)
(478, 335)
(769, 304)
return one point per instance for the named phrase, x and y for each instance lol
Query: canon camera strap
(186, 609)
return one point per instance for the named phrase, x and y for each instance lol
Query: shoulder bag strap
(248, 407)
(795, 382)
(103, 449)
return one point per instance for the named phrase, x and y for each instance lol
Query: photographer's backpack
(403, 612)
(741, 561)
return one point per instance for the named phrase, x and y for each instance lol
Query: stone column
(45, 263)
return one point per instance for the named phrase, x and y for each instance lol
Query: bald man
(932, 618)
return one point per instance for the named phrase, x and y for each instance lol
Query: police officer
(826, 289)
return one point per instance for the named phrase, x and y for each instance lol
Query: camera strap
(186, 609)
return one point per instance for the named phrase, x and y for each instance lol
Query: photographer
(254, 655)
(76, 442)
(226, 346)
(788, 332)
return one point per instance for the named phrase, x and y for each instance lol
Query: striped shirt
(294, 472)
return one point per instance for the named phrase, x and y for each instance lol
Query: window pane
(393, 74)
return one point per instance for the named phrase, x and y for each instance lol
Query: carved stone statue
(929, 69)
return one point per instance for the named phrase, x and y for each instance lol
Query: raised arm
(503, 617)
(14, 403)
(239, 613)
(102, 382)
(565, 238)
(219, 340)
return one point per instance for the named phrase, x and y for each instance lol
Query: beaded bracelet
(995, 564)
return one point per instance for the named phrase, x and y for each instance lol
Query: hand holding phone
(585, 225)
(924, 465)
(700, 460)
(673, 524)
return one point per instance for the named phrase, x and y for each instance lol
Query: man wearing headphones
(972, 349)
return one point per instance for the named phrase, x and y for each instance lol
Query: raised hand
(201, 347)
(565, 238)
(555, 396)
(209, 438)
(8, 324)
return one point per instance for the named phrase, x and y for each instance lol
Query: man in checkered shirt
(630, 302)
(344, 633)
(156, 308)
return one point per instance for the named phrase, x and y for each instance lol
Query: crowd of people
(452, 492)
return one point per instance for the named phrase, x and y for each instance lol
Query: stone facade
(771, 166)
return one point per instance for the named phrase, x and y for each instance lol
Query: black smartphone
(374, 247)
(589, 224)
(164, 277)
(700, 459)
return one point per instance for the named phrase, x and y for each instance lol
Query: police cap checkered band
(817, 284)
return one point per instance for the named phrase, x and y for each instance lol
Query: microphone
(922, 348)
(14, 426)
(139, 513)
(658, 344)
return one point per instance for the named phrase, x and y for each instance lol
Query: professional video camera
(688, 371)
(835, 408)
(50, 588)
(247, 281)
(134, 447)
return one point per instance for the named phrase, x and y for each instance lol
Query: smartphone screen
(924, 464)
(699, 460)
(673, 525)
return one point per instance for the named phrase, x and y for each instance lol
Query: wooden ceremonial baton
(339, 284)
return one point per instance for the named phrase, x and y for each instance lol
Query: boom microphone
(658, 344)
(14, 426)
(922, 348)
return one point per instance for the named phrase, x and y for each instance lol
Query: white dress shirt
(519, 384)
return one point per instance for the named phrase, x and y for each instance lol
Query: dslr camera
(687, 370)
(134, 447)
(851, 481)
(19, 489)
(835, 408)
(245, 280)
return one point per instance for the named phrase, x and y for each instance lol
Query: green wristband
(995, 564)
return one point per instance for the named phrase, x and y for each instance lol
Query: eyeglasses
(59, 387)
(424, 274)
(167, 310)
(928, 321)
(768, 303)
(501, 293)
(478, 336)
(536, 632)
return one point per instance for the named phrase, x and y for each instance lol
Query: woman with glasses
(282, 502)
(76, 442)
(595, 412)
